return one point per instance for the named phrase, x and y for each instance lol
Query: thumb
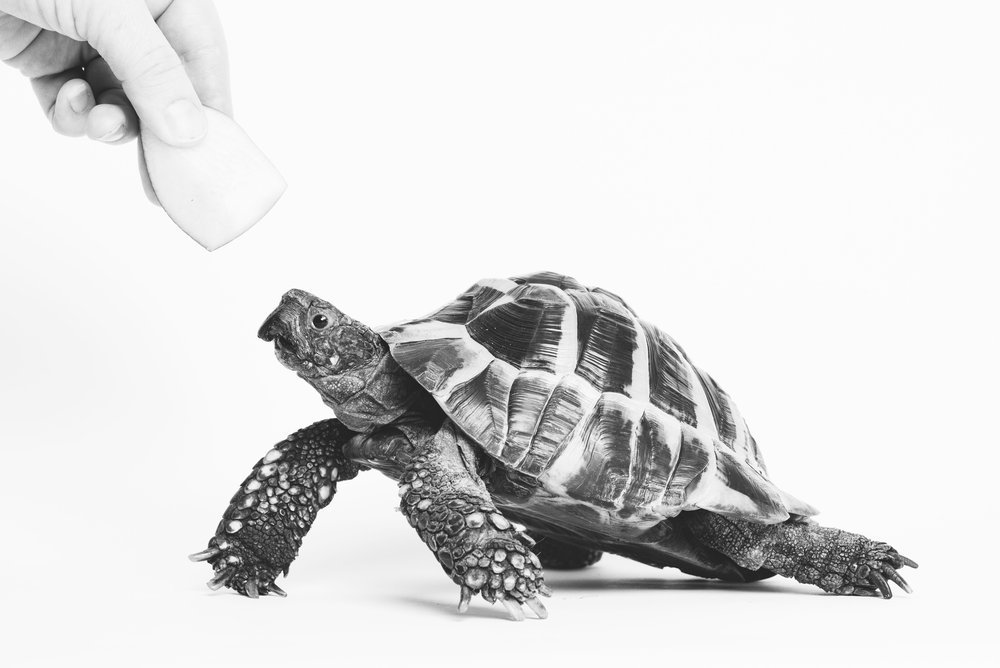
(151, 72)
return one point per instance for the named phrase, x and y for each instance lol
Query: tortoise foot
(870, 573)
(239, 568)
(502, 570)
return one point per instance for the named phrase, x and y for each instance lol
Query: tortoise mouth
(293, 357)
(280, 328)
(284, 344)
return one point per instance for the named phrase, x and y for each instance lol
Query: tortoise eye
(320, 321)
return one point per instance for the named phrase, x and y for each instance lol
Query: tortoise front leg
(261, 531)
(447, 503)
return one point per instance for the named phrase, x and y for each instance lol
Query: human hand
(98, 67)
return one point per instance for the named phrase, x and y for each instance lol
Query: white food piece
(217, 190)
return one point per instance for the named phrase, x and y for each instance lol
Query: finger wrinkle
(15, 36)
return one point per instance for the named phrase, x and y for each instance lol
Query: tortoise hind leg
(833, 560)
(558, 555)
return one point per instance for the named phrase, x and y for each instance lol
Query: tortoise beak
(281, 323)
(268, 331)
(278, 329)
(272, 327)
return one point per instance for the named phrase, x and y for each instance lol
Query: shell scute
(508, 329)
(657, 452)
(604, 474)
(570, 401)
(527, 333)
(471, 303)
(437, 359)
(606, 354)
(738, 490)
(693, 459)
(528, 395)
(472, 400)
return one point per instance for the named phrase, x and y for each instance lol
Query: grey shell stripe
(607, 340)
(566, 384)
(670, 376)
(718, 402)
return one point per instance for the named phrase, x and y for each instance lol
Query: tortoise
(530, 422)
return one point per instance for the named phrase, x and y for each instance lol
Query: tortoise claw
(537, 607)
(463, 601)
(251, 589)
(907, 561)
(544, 590)
(275, 589)
(513, 609)
(890, 572)
(220, 579)
(883, 586)
(205, 555)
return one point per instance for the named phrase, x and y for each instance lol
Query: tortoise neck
(375, 395)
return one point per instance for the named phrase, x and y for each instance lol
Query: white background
(803, 194)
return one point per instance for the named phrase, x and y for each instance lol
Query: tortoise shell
(566, 385)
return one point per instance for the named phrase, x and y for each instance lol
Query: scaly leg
(447, 503)
(261, 531)
(557, 555)
(834, 560)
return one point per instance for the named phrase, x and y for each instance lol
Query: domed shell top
(565, 384)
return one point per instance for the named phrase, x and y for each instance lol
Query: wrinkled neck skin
(370, 396)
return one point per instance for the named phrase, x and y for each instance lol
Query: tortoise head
(314, 339)
(334, 353)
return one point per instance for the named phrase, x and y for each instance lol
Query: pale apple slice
(217, 190)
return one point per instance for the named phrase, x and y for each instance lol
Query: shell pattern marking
(565, 384)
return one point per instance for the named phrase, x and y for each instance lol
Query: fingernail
(114, 135)
(185, 121)
(80, 98)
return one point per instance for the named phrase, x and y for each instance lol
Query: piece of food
(217, 190)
